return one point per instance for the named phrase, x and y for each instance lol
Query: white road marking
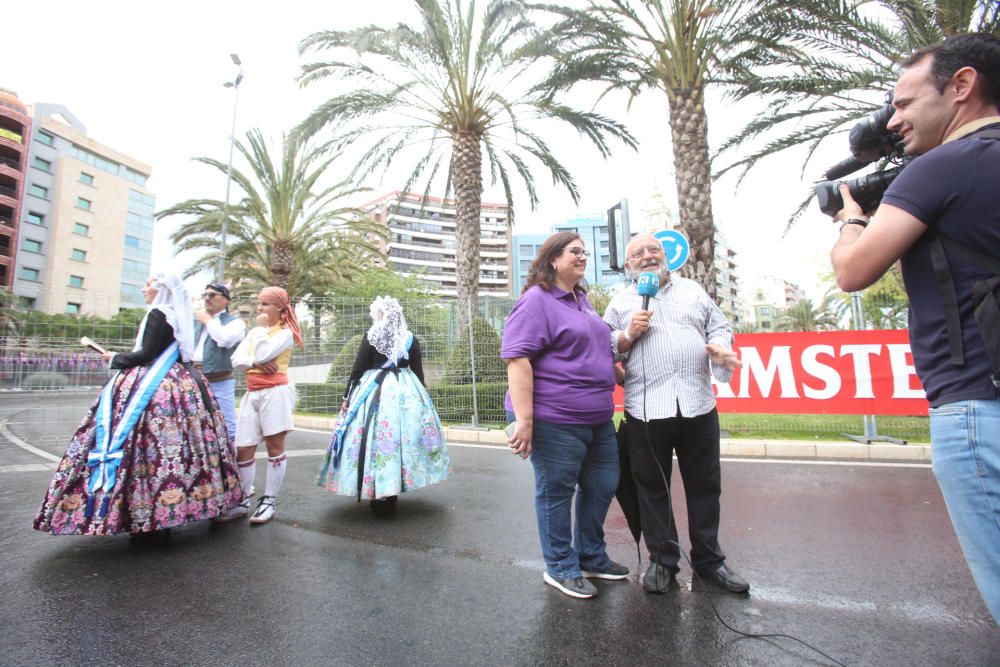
(5, 432)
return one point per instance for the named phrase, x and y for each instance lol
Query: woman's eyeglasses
(578, 252)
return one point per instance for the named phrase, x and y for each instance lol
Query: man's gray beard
(661, 273)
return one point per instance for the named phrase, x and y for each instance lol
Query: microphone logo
(647, 286)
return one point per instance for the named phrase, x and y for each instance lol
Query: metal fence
(463, 371)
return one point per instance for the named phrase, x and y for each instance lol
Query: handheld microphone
(648, 285)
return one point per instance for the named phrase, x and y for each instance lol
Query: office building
(423, 243)
(15, 129)
(87, 221)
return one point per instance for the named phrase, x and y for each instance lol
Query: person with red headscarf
(266, 411)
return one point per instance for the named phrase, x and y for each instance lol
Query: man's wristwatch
(854, 221)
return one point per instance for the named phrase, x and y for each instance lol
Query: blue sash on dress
(337, 441)
(107, 454)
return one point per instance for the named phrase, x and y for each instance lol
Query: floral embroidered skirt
(404, 444)
(177, 465)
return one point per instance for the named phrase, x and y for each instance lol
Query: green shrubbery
(489, 366)
(453, 402)
(45, 381)
(342, 364)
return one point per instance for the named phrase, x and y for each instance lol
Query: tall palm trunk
(282, 263)
(466, 174)
(689, 130)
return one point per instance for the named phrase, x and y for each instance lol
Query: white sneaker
(264, 511)
(236, 512)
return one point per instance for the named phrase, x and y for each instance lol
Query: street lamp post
(235, 85)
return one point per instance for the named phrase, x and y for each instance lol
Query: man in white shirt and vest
(216, 334)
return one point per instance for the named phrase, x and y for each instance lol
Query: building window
(131, 241)
(83, 203)
(86, 178)
(73, 308)
(81, 229)
(31, 245)
(34, 275)
(26, 302)
(40, 163)
(76, 281)
(38, 191)
(95, 160)
(35, 218)
(78, 255)
(45, 138)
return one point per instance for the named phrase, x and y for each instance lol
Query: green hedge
(453, 402)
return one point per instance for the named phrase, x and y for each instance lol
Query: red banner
(829, 372)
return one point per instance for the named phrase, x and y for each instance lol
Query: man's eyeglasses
(210, 295)
(578, 252)
(651, 249)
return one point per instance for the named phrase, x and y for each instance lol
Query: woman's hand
(520, 442)
(262, 320)
(107, 356)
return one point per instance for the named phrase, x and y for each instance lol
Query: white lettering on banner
(901, 372)
(780, 364)
(821, 378)
(862, 367)
(829, 376)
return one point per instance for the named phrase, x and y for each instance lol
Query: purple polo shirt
(569, 347)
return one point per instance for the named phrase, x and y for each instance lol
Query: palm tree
(677, 47)
(286, 229)
(439, 95)
(846, 58)
(884, 305)
(804, 316)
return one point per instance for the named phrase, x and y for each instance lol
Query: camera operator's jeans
(965, 451)
(580, 460)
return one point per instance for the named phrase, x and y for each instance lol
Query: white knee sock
(247, 470)
(275, 473)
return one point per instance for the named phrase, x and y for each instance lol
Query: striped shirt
(671, 355)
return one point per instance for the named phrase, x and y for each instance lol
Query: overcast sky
(147, 79)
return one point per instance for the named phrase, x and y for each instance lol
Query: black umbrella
(627, 494)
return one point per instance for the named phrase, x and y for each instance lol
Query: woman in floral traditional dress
(389, 439)
(152, 453)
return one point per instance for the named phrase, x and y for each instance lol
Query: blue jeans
(568, 458)
(965, 438)
(225, 394)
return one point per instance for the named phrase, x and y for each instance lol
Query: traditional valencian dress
(390, 439)
(153, 452)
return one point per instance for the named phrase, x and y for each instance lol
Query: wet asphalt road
(859, 561)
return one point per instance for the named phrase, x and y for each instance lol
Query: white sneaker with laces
(264, 511)
(236, 512)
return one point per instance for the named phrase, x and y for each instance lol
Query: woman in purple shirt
(561, 377)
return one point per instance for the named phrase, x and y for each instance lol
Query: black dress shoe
(727, 579)
(659, 579)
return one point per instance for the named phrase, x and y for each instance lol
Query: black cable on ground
(659, 549)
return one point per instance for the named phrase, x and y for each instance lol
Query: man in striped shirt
(670, 350)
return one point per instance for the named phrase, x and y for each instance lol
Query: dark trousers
(696, 442)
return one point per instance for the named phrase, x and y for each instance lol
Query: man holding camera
(947, 111)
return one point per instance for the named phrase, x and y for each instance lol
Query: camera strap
(987, 310)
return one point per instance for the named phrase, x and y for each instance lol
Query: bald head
(645, 253)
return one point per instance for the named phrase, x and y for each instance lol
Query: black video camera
(870, 140)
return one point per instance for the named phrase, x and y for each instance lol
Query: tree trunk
(466, 174)
(281, 264)
(689, 129)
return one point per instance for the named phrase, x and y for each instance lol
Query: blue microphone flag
(647, 286)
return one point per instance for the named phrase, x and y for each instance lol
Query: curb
(730, 447)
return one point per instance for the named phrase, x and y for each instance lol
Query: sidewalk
(802, 450)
